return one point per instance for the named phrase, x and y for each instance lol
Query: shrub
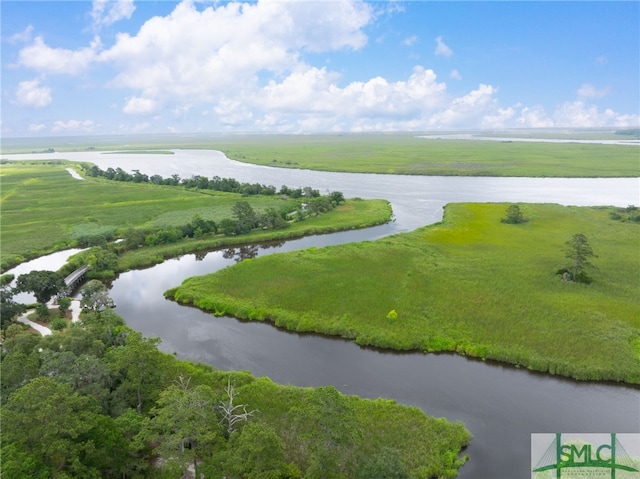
(42, 311)
(58, 324)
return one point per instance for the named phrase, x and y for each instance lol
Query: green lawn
(470, 284)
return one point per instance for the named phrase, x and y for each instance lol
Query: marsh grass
(470, 284)
(393, 153)
(411, 155)
(44, 209)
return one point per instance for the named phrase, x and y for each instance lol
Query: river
(499, 404)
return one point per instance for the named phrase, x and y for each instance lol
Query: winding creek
(500, 405)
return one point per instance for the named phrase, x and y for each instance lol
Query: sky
(305, 66)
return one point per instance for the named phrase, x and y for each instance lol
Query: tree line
(226, 185)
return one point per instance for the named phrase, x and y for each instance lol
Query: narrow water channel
(500, 405)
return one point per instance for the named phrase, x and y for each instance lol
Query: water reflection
(249, 251)
(501, 405)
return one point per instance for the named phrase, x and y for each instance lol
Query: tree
(9, 309)
(184, 424)
(578, 250)
(43, 284)
(257, 453)
(514, 215)
(95, 296)
(228, 227)
(86, 374)
(63, 305)
(232, 413)
(49, 422)
(140, 369)
(336, 197)
(245, 216)
(100, 259)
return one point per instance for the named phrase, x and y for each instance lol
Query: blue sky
(125, 66)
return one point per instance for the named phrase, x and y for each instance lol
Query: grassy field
(407, 154)
(44, 209)
(470, 284)
(393, 153)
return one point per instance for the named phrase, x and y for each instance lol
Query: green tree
(184, 424)
(63, 305)
(228, 227)
(86, 373)
(18, 367)
(140, 370)
(336, 197)
(9, 309)
(579, 251)
(43, 284)
(17, 462)
(514, 215)
(49, 422)
(257, 453)
(245, 216)
(95, 296)
(101, 259)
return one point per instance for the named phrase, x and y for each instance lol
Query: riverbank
(353, 214)
(45, 209)
(472, 285)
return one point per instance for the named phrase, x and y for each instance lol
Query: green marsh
(470, 285)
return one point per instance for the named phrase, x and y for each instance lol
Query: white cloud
(36, 127)
(534, 117)
(410, 41)
(230, 46)
(442, 49)
(581, 114)
(140, 106)
(42, 58)
(316, 91)
(498, 119)
(73, 126)
(30, 93)
(575, 114)
(21, 37)
(467, 110)
(587, 90)
(117, 10)
(455, 75)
